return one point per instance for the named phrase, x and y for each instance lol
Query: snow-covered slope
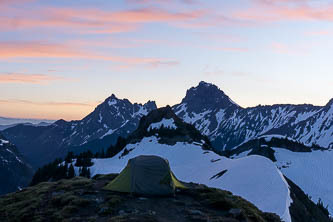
(317, 129)
(309, 167)
(227, 125)
(312, 171)
(167, 123)
(255, 178)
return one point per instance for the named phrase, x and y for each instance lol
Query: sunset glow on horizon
(60, 59)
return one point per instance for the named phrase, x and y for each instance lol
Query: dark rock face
(228, 125)
(207, 96)
(111, 119)
(183, 132)
(15, 173)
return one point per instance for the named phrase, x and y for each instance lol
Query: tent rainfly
(146, 175)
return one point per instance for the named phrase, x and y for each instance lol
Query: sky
(60, 58)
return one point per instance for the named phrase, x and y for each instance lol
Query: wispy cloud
(159, 2)
(27, 78)
(265, 11)
(91, 20)
(50, 103)
(48, 50)
(46, 109)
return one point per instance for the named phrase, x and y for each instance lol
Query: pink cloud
(86, 26)
(26, 78)
(145, 15)
(90, 20)
(47, 50)
(140, 2)
(19, 101)
(14, 2)
(284, 10)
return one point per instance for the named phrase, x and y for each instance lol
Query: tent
(146, 175)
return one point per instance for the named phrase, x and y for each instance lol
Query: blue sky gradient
(59, 59)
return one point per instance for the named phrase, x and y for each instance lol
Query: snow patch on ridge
(3, 141)
(18, 159)
(268, 138)
(100, 118)
(112, 102)
(141, 112)
(255, 178)
(304, 116)
(167, 123)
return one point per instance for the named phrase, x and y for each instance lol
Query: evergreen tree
(71, 171)
(69, 158)
(88, 173)
(36, 178)
(84, 172)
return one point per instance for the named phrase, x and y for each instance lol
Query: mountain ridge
(205, 106)
(228, 127)
(112, 118)
(163, 133)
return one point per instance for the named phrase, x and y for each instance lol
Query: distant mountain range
(111, 119)
(6, 122)
(192, 159)
(183, 134)
(10, 121)
(205, 106)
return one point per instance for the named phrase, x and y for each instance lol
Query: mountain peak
(207, 96)
(150, 105)
(206, 84)
(330, 103)
(111, 100)
(60, 122)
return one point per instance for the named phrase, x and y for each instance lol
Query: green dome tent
(146, 175)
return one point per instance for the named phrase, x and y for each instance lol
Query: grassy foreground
(82, 199)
